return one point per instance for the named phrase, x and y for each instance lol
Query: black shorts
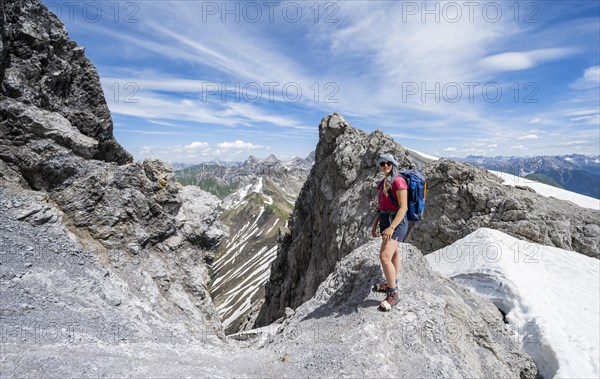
(386, 220)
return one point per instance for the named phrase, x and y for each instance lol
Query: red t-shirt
(385, 203)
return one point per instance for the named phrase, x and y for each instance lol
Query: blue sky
(188, 81)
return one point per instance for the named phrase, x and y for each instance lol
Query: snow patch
(550, 296)
(422, 158)
(549, 191)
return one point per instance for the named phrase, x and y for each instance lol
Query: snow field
(551, 296)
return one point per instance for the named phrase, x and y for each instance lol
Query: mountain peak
(271, 159)
(252, 160)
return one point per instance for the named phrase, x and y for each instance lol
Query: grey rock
(439, 328)
(198, 218)
(63, 308)
(62, 169)
(42, 70)
(462, 198)
(161, 291)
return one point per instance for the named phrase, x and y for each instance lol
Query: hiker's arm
(403, 200)
(374, 227)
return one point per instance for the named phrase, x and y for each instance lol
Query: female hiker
(393, 225)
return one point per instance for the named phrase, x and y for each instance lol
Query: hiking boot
(382, 287)
(390, 300)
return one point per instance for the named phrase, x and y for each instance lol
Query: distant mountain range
(575, 172)
(224, 178)
(258, 197)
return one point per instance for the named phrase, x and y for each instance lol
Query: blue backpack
(417, 192)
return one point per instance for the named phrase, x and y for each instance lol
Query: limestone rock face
(60, 165)
(439, 328)
(41, 69)
(197, 218)
(462, 198)
(60, 287)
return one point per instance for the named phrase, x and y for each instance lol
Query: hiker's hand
(387, 234)
(374, 231)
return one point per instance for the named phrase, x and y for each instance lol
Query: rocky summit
(439, 329)
(332, 215)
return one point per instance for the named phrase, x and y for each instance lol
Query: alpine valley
(257, 199)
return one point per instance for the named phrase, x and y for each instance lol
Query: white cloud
(450, 148)
(514, 61)
(198, 151)
(581, 112)
(529, 136)
(367, 36)
(592, 74)
(573, 143)
(148, 132)
(590, 79)
(582, 118)
(238, 144)
(159, 108)
(178, 153)
(196, 145)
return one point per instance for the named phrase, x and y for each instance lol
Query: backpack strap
(393, 197)
(390, 194)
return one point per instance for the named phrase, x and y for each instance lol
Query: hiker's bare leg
(396, 261)
(387, 250)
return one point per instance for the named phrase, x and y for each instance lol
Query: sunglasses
(385, 164)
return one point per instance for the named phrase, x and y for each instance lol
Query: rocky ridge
(575, 172)
(56, 144)
(439, 329)
(56, 290)
(462, 198)
(49, 85)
